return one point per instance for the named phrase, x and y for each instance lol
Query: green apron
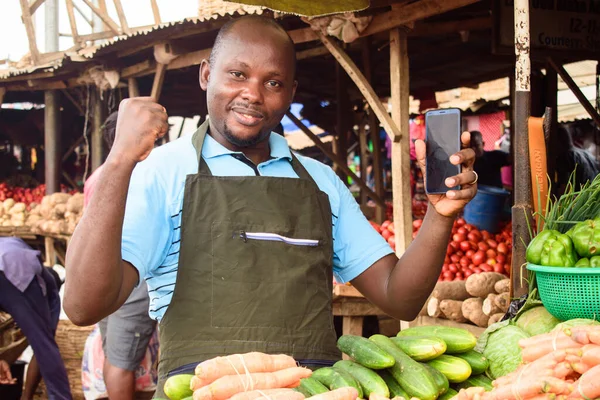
(255, 270)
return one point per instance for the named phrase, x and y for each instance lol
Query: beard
(240, 142)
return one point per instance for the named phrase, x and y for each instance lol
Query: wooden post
(380, 212)
(576, 91)
(522, 208)
(97, 122)
(72, 21)
(2, 94)
(551, 102)
(342, 116)
(132, 85)
(52, 148)
(35, 5)
(121, 15)
(30, 29)
(400, 86)
(159, 78)
(364, 157)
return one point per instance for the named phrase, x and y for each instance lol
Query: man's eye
(274, 84)
(237, 74)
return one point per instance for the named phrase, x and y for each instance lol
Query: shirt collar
(277, 143)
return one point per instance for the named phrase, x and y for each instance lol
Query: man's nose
(252, 92)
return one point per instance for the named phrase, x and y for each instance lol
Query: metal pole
(522, 208)
(97, 121)
(52, 147)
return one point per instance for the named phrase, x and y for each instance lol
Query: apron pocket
(268, 280)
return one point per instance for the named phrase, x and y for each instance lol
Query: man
(237, 237)
(571, 159)
(488, 164)
(29, 293)
(127, 332)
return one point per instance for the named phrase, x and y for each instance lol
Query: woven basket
(71, 342)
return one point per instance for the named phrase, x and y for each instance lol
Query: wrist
(120, 161)
(438, 218)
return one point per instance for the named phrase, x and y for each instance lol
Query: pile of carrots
(257, 376)
(564, 364)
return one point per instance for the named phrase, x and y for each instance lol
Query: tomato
(385, 224)
(390, 227)
(448, 275)
(491, 253)
(460, 253)
(455, 258)
(455, 246)
(392, 240)
(460, 221)
(486, 268)
(417, 223)
(474, 236)
(449, 250)
(478, 258)
(375, 226)
(473, 246)
(501, 258)
(502, 248)
(477, 270)
(492, 243)
(459, 276)
(465, 246)
(459, 237)
(452, 268)
(464, 262)
(386, 234)
(485, 235)
(499, 268)
(471, 266)
(461, 231)
(491, 261)
(447, 259)
(468, 273)
(469, 227)
(483, 246)
(414, 234)
(470, 253)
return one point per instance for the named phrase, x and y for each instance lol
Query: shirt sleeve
(356, 244)
(146, 226)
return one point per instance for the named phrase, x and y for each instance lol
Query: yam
(489, 305)
(502, 301)
(17, 208)
(46, 210)
(502, 286)
(75, 203)
(59, 198)
(433, 308)
(452, 290)
(472, 310)
(452, 309)
(8, 204)
(495, 318)
(482, 284)
(58, 212)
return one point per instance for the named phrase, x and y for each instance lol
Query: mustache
(247, 106)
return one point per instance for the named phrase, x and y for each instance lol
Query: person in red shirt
(127, 332)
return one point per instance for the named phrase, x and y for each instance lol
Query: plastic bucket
(486, 209)
(13, 392)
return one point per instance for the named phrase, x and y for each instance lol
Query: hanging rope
(85, 136)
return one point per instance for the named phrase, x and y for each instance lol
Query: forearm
(415, 274)
(94, 265)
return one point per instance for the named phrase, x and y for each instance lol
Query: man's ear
(204, 74)
(294, 87)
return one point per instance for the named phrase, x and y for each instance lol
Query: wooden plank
(399, 86)
(35, 4)
(132, 86)
(310, 53)
(189, 59)
(363, 85)
(355, 308)
(339, 161)
(121, 15)
(155, 12)
(143, 68)
(380, 211)
(429, 321)
(159, 78)
(585, 103)
(364, 157)
(352, 326)
(90, 37)
(346, 291)
(30, 30)
(303, 35)
(72, 21)
(412, 12)
(343, 113)
(83, 15)
(424, 29)
(112, 25)
(2, 94)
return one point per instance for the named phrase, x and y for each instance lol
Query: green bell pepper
(551, 248)
(583, 263)
(586, 237)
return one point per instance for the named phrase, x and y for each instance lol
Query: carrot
(532, 353)
(545, 396)
(270, 394)
(562, 370)
(527, 388)
(595, 337)
(588, 385)
(346, 393)
(591, 355)
(227, 386)
(210, 370)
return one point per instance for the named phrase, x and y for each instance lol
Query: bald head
(237, 27)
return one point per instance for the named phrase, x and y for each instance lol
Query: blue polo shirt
(151, 228)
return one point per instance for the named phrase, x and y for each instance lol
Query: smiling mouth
(247, 117)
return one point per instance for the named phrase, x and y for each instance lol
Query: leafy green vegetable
(500, 345)
(537, 320)
(575, 322)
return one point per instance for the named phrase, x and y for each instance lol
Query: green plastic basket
(569, 293)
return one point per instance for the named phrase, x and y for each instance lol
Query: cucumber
(412, 376)
(455, 369)
(476, 380)
(177, 387)
(450, 393)
(457, 340)
(368, 379)
(365, 352)
(392, 384)
(479, 364)
(312, 386)
(304, 392)
(421, 348)
(336, 378)
(440, 379)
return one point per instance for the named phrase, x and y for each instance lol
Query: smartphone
(442, 130)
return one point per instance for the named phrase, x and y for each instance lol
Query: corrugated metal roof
(48, 67)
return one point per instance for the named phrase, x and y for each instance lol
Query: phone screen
(443, 140)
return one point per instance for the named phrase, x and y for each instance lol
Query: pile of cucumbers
(425, 362)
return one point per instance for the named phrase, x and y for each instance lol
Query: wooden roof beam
(122, 19)
(72, 21)
(34, 5)
(29, 28)
(424, 29)
(155, 12)
(112, 25)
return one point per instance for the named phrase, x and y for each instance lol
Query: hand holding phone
(443, 131)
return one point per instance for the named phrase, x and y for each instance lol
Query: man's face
(477, 144)
(250, 84)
